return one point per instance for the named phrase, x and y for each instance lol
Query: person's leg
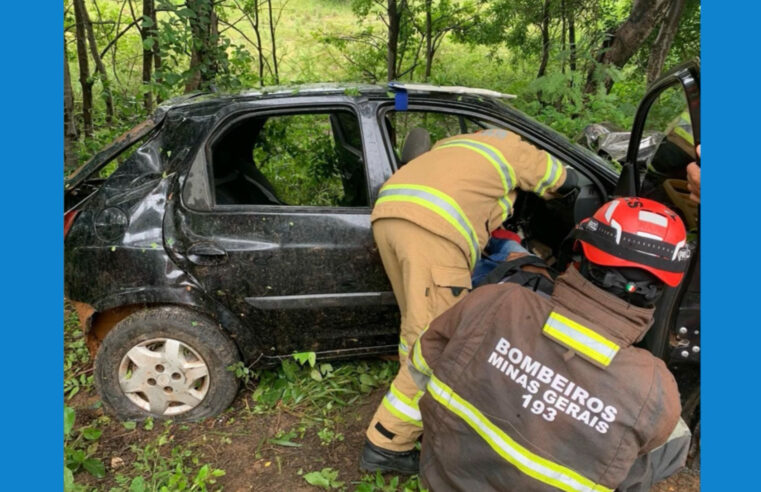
(393, 268)
(432, 270)
(660, 463)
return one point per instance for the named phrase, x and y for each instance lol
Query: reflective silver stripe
(437, 200)
(580, 338)
(524, 460)
(403, 348)
(495, 156)
(418, 360)
(400, 408)
(554, 174)
(507, 206)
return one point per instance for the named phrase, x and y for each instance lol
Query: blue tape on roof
(400, 101)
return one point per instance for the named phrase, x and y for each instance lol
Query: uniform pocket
(450, 284)
(456, 277)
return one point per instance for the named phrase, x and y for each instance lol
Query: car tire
(167, 363)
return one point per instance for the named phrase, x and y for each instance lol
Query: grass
(77, 369)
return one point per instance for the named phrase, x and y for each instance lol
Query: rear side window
(306, 159)
(413, 132)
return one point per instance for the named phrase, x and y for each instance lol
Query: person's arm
(693, 179)
(538, 171)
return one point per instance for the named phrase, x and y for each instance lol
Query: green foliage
(244, 373)
(327, 435)
(319, 390)
(298, 156)
(159, 468)
(376, 483)
(79, 446)
(304, 357)
(327, 479)
(77, 374)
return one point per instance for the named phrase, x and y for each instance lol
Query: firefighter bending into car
(431, 221)
(529, 393)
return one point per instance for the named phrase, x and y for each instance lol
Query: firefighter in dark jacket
(525, 393)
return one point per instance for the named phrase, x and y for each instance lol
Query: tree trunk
(84, 66)
(146, 34)
(545, 38)
(619, 46)
(272, 37)
(428, 40)
(100, 69)
(69, 123)
(562, 34)
(571, 41)
(203, 27)
(393, 39)
(664, 39)
(157, 64)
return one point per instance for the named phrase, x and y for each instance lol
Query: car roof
(355, 90)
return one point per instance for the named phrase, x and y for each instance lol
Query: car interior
(237, 179)
(305, 159)
(544, 224)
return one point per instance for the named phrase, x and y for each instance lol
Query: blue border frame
(730, 431)
(32, 245)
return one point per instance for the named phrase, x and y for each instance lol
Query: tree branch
(234, 28)
(116, 38)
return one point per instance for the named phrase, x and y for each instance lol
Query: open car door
(672, 105)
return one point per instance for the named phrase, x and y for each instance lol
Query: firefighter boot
(375, 458)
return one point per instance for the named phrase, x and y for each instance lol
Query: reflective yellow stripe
(491, 154)
(404, 350)
(580, 338)
(403, 407)
(524, 460)
(551, 175)
(438, 202)
(495, 157)
(418, 361)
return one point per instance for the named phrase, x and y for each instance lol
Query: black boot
(374, 458)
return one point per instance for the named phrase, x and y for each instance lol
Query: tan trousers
(428, 274)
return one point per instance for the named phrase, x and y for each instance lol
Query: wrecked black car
(237, 228)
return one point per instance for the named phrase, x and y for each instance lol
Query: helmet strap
(640, 292)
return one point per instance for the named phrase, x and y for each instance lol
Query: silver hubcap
(164, 376)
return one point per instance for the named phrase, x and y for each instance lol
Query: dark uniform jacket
(525, 393)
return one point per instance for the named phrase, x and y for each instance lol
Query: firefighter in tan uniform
(431, 221)
(527, 393)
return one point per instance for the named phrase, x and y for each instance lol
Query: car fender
(105, 312)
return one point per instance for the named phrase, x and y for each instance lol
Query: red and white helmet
(637, 232)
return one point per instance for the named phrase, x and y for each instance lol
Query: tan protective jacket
(465, 187)
(526, 393)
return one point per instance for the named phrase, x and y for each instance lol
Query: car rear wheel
(166, 362)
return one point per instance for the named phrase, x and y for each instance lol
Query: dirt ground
(237, 442)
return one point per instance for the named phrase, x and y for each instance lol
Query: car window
(308, 159)
(411, 129)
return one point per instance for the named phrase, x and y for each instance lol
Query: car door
(673, 105)
(275, 224)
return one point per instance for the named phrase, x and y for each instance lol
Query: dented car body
(201, 217)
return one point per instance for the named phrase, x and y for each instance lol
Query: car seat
(417, 142)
